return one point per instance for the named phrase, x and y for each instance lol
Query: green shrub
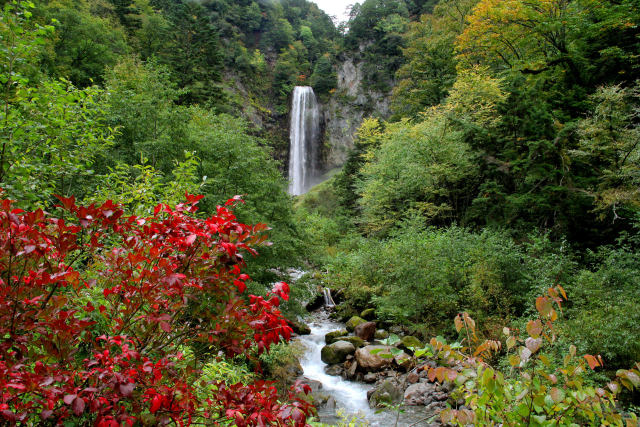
(426, 277)
(604, 316)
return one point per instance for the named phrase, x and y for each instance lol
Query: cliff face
(346, 109)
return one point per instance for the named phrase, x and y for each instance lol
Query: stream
(350, 396)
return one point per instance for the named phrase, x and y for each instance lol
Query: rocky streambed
(356, 371)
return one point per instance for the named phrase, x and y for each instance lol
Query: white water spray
(304, 133)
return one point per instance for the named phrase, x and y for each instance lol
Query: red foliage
(95, 304)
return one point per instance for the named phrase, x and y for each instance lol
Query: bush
(426, 277)
(536, 391)
(92, 333)
(607, 299)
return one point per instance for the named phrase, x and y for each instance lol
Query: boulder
(350, 372)
(370, 378)
(356, 341)
(334, 370)
(336, 352)
(419, 394)
(353, 322)
(388, 392)
(368, 314)
(334, 336)
(370, 362)
(381, 334)
(299, 328)
(409, 341)
(366, 331)
(314, 384)
(403, 360)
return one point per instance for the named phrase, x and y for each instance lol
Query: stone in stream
(334, 336)
(334, 370)
(336, 352)
(381, 334)
(353, 322)
(299, 328)
(419, 394)
(366, 331)
(388, 392)
(356, 341)
(369, 362)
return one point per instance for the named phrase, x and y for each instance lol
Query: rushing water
(304, 134)
(350, 396)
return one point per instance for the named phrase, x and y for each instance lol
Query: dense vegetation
(509, 166)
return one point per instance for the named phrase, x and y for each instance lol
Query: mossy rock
(353, 322)
(368, 314)
(356, 341)
(336, 352)
(299, 328)
(334, 336)
(381, 334)
(410, 341)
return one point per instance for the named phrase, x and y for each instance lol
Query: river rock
(350, 372)
(336, 352)
(419, 394)
(369, 362)
(299, 328)
(332, 337)
(370, 378)
(314, 384)
(381, 334)
(353, 322)
(413, 378)
(388, 392)
(368, 314)
(403, 360)
(366, 331)
(334, 370)
(356, 341)
(409, 341)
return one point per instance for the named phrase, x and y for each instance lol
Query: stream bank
(349, 389)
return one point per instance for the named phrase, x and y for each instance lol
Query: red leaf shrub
(94, 306)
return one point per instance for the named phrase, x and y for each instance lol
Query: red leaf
(69, 398)
(156, 403)
(592, 361)
(126, 389)
(165, 326)
(78, 406)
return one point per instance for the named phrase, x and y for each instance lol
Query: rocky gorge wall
(348, 106)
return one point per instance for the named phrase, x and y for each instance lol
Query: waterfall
(304, 133)
(328, 301)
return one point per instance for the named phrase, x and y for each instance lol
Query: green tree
(50, 131)
(609, 141)
(142, 106)
(430, 66)
(85, 44)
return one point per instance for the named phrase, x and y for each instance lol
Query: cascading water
(328, 300)
(304, 134)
